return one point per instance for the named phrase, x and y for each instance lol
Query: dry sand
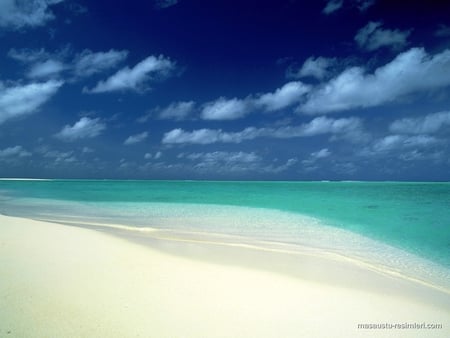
(64, 281)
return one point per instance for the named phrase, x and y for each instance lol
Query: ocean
(402, 225)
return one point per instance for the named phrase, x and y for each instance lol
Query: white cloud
(60, 157)
(225, 109)
(311, 162)
(372, 37)
(280, 168)
(88, 63)
(135, 78)
(199, 136)
(16, 151)
(395, 142)
(411, 71)
(84, 128)
(133, 139)
(224, 156)
(177, 110)
(290, 93)
(16, 14)
(158, 155)
(332, 6)
(49, 68)
(23, 100)
(322, 125)
(352, 127)
(27, 55)
(322, 153)
(226, 162)
(313, 67)
(420, 155)
(231, 109)
(427, 124)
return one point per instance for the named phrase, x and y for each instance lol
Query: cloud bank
(428, 124)
(410, 72)
(14, 152)
(352, 127)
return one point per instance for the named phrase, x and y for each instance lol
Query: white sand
(62, 281)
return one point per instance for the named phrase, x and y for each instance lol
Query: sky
(225, 90)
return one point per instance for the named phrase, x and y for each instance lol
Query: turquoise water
(414, 217)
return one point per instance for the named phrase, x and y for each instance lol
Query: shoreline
(153, 237)
(120, 284)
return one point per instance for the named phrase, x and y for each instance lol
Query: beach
(68, 281)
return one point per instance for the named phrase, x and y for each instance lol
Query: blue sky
(282, 90)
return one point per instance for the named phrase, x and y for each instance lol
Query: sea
(403, 227)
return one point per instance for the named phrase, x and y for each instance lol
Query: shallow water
(403, 226)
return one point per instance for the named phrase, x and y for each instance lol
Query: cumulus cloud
(149, 156)
(352, 127)
(88, 63)
(177, 110)
(14, 152)
(136, 78)
(372, 37)
(231, 109)
(199, 136)
(49, 68)
(322, 153)
(133, 139)
(225, 162)
(290, 93)
(27, 55)
(21, 100)
(420, 155)
(16, 14)
(406, 147)
(410, 72)
(332, 6)
(225, 109)
(311, 162)
(84, 128)
(394, 142)
(220, 161)
(427, 124)
(321, 125)
(313, 67)
(224, 156)
(59, 157)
